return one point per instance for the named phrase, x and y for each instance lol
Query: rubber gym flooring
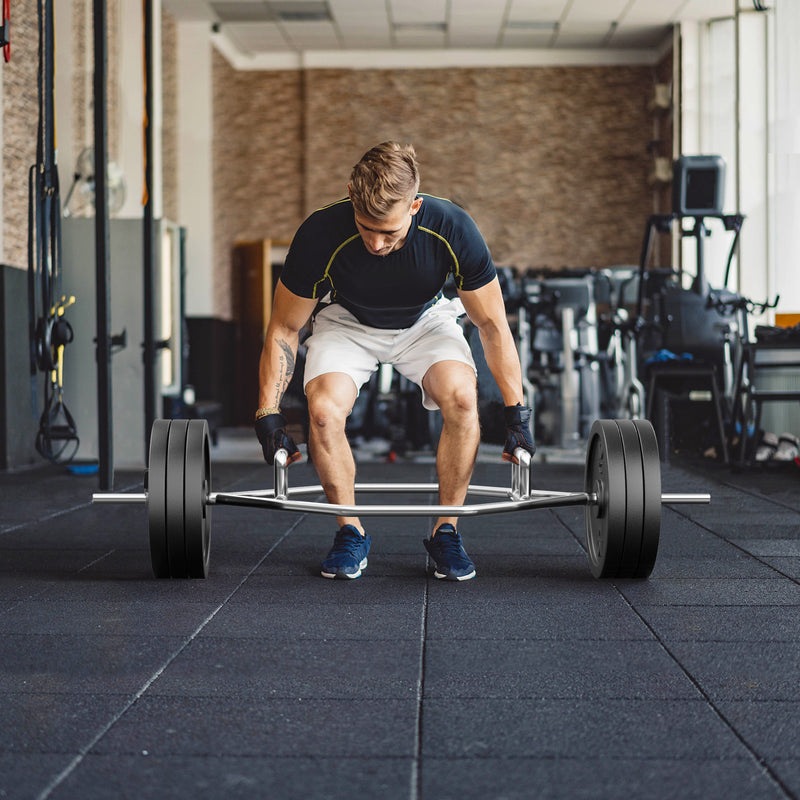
(534, 680)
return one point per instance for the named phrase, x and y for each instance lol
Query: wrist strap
(265, 410)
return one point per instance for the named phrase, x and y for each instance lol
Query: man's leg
(330, 398)
(452, 386)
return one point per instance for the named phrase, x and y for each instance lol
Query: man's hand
(271, 432)
(518, 431)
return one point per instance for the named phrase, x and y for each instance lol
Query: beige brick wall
(258, 163)
(169, 117)
(20, 112)
(83, 84)
(20, 121)
(552, 162)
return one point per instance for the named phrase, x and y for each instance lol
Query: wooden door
(253, 286)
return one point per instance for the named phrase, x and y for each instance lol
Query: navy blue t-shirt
(391, 291)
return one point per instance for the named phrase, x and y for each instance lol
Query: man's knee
(330, 399)
(326, 411)
(460, 403)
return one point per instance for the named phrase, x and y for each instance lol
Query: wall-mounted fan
(80, 198)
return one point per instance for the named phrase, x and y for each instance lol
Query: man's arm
(486, 308)
(290, 312)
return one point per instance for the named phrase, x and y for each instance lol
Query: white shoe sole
(362, 565)
(442, 576)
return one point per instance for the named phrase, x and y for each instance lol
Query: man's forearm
(276, 367)
(503, 361)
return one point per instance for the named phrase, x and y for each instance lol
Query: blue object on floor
(667, 355)
(83, 467)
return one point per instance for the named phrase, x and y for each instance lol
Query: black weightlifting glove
(518, 431)
(271, 432)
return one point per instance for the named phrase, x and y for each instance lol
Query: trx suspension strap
(50, 332)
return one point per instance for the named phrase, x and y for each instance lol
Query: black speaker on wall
(698, 186)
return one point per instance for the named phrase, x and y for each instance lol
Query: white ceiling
(257, 27)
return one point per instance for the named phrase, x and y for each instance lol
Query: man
(381, 257)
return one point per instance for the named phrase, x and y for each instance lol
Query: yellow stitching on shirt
(457, 276)
(328, 267)
(434, 196)
(335, 203)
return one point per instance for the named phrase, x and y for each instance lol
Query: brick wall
(258, 163)
(20, 120)
(83, 85)
(552, 162)
(20, 117)
(169, 117)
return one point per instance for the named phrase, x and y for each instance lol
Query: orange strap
(7, 26)
(145, 120)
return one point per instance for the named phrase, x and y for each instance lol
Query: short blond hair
(387, 174)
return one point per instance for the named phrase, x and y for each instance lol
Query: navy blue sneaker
(448, 554)
(348, 556)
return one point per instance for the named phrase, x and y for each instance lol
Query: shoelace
(449, 543)
(346, 544)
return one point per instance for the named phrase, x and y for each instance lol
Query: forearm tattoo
(286, 368)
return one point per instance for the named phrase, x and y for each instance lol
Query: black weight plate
(634, 494)
(176, 479)
(157, 497)
(197, 512)
(651, 524)
(605, 519)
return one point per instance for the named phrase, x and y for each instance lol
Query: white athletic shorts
(340, 343)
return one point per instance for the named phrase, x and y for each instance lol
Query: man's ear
(415, 206)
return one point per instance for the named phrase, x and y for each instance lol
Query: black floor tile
(319, 621)
(547, 669)
(76, 664)
(291, 668)
(26, 776)
(603, 617)
(712, 592)
(263, 727)
(266, 680)
(751, 624)
(588, 777)
(742, 671)
(769, 727)
(182, 777)
(54, 723)
(565, 728)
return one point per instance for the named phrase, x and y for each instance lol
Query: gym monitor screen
(698, 186)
